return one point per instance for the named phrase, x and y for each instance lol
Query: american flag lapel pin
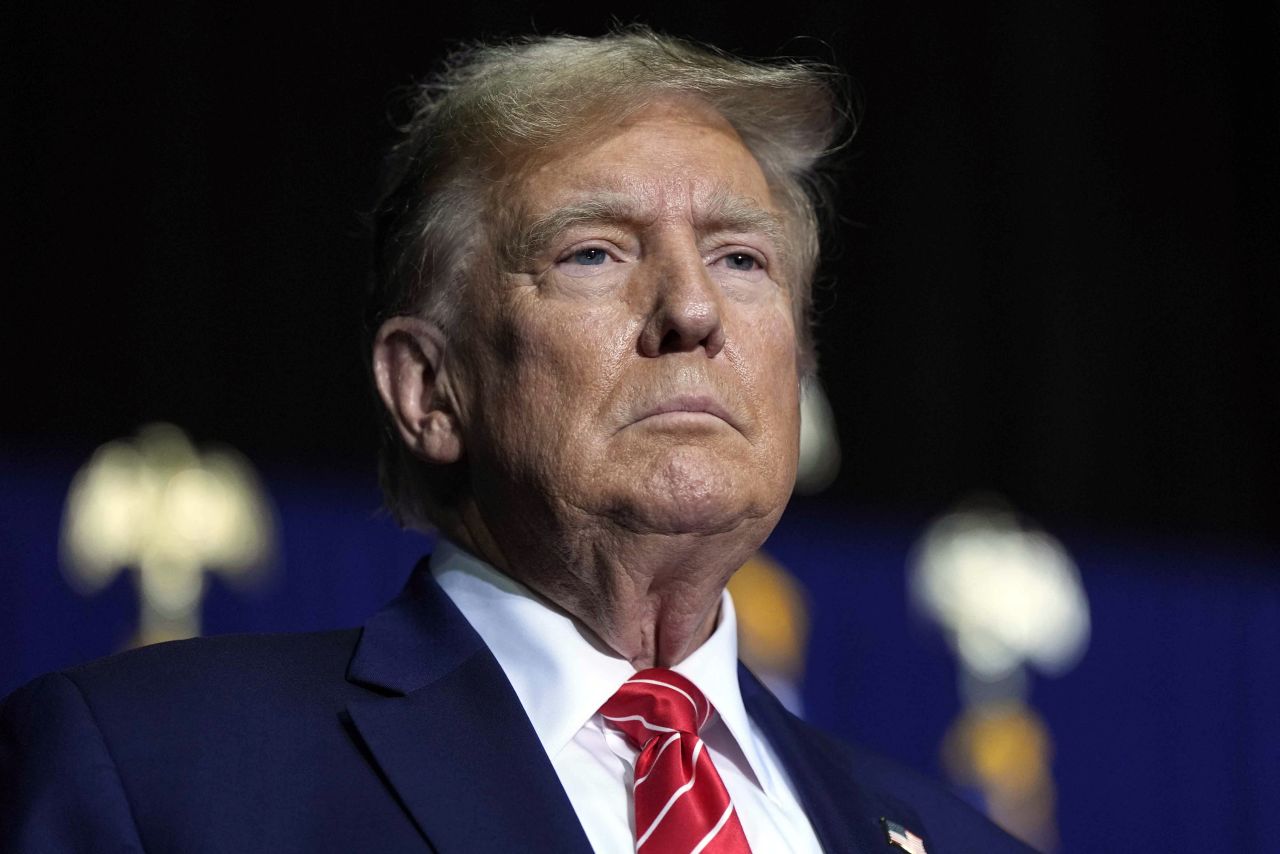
(898, 836)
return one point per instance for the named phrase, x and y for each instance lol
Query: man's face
(636, 360)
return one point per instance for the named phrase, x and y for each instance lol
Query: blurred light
(157, 505)
(1007, 595)
(819, 461)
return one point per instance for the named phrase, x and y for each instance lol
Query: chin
(693, 492)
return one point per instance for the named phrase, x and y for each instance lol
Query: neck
(651, 597)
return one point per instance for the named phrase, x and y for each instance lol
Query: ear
(408, 367)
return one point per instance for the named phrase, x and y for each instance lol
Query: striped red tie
(681, 804)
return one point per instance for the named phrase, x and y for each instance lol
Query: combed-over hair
(495, 107)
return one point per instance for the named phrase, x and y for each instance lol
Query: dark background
(1053, 274)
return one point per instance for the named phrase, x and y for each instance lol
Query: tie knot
(654, 702)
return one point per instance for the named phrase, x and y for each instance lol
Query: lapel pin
(898, 836)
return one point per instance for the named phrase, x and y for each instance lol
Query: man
(589, 325)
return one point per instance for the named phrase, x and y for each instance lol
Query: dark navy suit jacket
(401, 736)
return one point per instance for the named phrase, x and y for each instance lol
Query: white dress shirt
(562, 675)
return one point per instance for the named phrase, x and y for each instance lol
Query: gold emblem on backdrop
(773, 626)
(169, 512)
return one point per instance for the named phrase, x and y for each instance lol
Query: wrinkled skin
(623, 392)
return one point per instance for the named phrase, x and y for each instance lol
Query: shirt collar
(713, 667)
(560, 672)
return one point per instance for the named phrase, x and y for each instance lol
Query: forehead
(670, 156)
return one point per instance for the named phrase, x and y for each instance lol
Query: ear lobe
(408, 367)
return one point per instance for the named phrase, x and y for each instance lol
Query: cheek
(558, 364)
(568, 351)
(768, 370)
(766, 357)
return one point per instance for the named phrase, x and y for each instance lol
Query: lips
(694, 404)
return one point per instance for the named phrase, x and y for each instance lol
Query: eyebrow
(725, 212)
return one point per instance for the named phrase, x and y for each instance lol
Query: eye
(741, 265)
(591, 256)
(588, 261)
(742, 262)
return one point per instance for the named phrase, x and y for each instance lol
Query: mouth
(686, 410)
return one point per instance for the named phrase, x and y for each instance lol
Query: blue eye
(592, 256)
(741, 261)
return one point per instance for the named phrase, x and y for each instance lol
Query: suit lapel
(449, 735)
(844, 812)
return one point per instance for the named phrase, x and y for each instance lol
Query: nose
(685, 308)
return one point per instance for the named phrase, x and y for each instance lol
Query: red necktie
(681, 804)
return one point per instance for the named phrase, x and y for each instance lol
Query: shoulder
(203, 677)
(950, 823)
(858, 787)
(78, 746)
(240, 658)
